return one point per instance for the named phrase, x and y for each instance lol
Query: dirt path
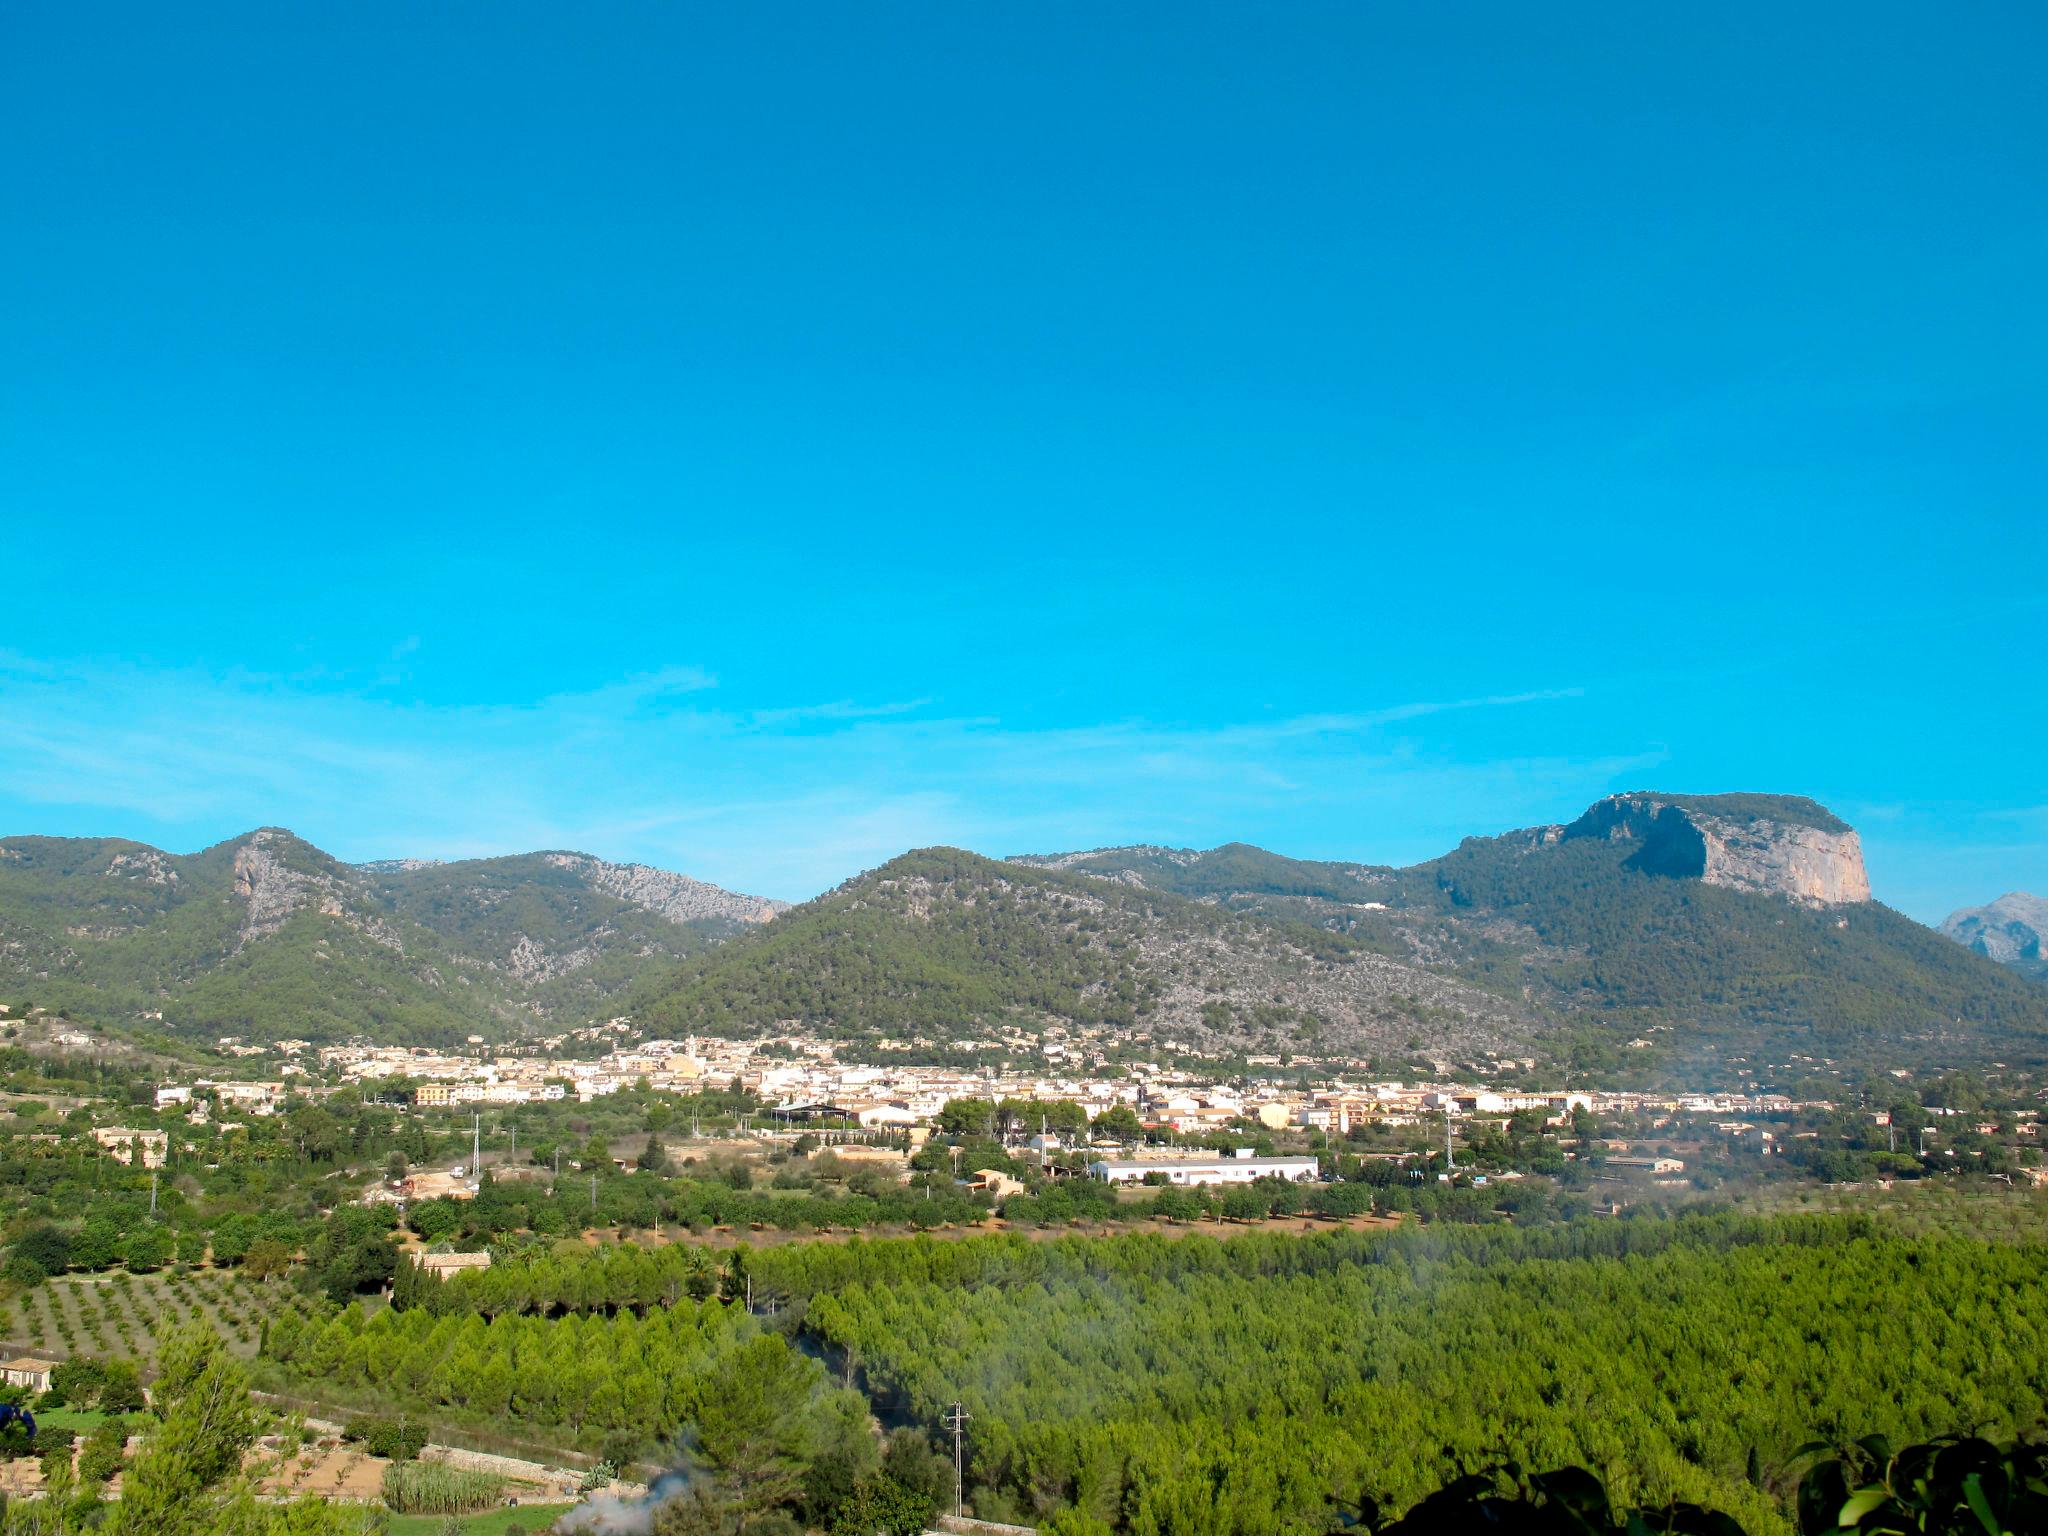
(772, 1237)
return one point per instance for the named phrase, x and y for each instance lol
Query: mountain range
(1662, 935)
(267, 937)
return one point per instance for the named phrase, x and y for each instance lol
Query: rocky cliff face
(273, 890)
(2012, 930)
(675, 897)
(1787, 847)
(277, 877)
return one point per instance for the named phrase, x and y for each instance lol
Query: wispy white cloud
(785, 800)
(837, 710)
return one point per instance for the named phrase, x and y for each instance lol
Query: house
(992, 1181)
(875, 1115)
(135, 1148)
(433, 1095)
(442, 1265)
(1651, 1164)
(1241, 1168)
(27, 1371)
(256, 1098)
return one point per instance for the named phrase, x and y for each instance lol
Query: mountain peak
(1747, 807)
(2012, 930)
(1781, 845)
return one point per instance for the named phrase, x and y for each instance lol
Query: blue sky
(756, 440)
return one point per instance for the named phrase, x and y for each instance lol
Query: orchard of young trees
(1142, 1383)
(1137, 1384)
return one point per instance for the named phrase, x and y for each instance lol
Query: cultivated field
(122, 1315)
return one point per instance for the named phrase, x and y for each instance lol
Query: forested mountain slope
(939, 944)
(266, 937)
(1704, 929)
(1698, 922)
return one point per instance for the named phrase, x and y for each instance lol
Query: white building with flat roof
(1239, 1168)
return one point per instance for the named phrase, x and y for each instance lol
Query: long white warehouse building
(1241, 1169)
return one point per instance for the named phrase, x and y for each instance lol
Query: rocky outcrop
(278, 877)
(2012, 930)
(675, 897)
(1146, 852)
(273, 891)
(145, 864)
(1780, 847)
(532, 962)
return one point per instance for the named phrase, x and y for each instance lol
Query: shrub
(399, 1441)
(46, 1247)
(429, 1488)
(23, 1271)
(101, 1458)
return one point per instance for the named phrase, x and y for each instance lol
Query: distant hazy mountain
(267, 937)
(2012, 930)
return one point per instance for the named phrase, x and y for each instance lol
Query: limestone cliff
(275, 887)
(675, 897)
(1780, 845)
(277, 876)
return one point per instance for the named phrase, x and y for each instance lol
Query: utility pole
(152, 1194)
(476, 1145)
(1450, 1161)
(957, 1422)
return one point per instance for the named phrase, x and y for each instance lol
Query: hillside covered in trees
(940, 944)
(1584, 931)
(1654, 936)
(267, 937)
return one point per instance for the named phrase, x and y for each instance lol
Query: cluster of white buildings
(801, 1076)
(251, 1098)
(452, 1079)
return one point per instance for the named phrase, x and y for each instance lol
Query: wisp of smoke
(606, 1514)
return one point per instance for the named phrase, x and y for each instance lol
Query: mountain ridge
(1654, 934)
(265, 934)
(941, 938)
(1615, 922)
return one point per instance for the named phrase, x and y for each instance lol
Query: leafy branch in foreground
(1950, 1486)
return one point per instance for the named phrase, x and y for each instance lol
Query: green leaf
(1973, 1495)
(1861, 1503)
